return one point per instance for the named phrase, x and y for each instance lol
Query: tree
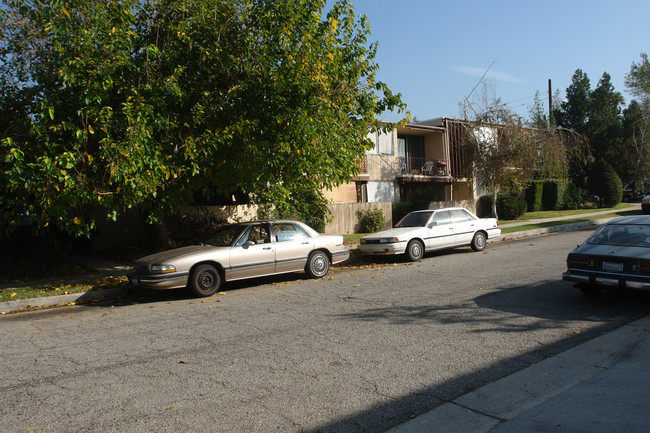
(636, 121)
(143, 103)
(503, 155)
(538, 114)
(638, 80)
(604, 120)
(574, 110)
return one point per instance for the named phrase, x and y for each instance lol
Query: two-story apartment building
(425, 155)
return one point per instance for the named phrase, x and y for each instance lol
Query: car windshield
(633, 235)
(225, 235)
(415, 219)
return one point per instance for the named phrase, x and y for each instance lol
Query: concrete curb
(552, 229)
(45, 301)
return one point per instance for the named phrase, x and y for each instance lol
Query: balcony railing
(363, 165)
(423, 166)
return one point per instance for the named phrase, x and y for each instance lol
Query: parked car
(616, 255)
(428, 230)
(645, 205)
(238, 251)
(631, 194)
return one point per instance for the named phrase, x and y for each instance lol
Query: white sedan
(428, 230)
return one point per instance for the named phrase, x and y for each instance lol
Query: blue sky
(435, 52)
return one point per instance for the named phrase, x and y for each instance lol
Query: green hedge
(605, 183)
(551, 194)
(534, 196)
(509, 206)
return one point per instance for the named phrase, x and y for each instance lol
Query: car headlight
(162, 269)
(388, 240)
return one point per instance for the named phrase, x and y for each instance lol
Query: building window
(385, 143)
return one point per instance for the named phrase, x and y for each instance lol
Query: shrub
(605, 183)
(551, 194)
(571, 198)
(484, 206)
(371, 220)
(400, 210)
(510, 206)
(534, 196)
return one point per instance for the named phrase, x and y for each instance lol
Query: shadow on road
(610, 309)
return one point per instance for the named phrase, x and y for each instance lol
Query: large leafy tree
(111, 105)
(501, 153)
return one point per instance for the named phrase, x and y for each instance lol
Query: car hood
(179, 253)
(397, 232)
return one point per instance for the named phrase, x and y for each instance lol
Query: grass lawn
(61, 288)
(562, 213)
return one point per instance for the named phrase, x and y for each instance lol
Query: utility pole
(550, 104)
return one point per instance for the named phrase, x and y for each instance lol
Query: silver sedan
(239, 251)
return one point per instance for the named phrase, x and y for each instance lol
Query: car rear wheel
(204, 281)
(415, 251)
(479, 241)
(318, 264)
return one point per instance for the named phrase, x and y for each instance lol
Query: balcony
(412, 166)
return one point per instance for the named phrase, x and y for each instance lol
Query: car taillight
(644, 268)
(578, 261)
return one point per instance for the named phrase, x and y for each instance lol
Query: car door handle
(306, 243)
(267, 248)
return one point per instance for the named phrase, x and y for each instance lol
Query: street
(366, 348)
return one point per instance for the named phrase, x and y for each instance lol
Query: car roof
(633, 219)
(435, 210)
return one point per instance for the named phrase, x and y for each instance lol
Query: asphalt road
(363, 350)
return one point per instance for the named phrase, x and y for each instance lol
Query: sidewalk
(600, 386)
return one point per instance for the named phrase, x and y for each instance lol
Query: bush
(605, 183)
(371, 220)
(551, 194)
(571, 198)
(509, 206)
(484, 206)
(534, 196)
(400, 210)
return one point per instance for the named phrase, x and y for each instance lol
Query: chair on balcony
(427, 168)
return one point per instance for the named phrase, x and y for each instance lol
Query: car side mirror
(248, 244)
(432, 224)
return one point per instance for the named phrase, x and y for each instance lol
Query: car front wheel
(479, 241)
(415, 251)
(204, 281)
(318, 264)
